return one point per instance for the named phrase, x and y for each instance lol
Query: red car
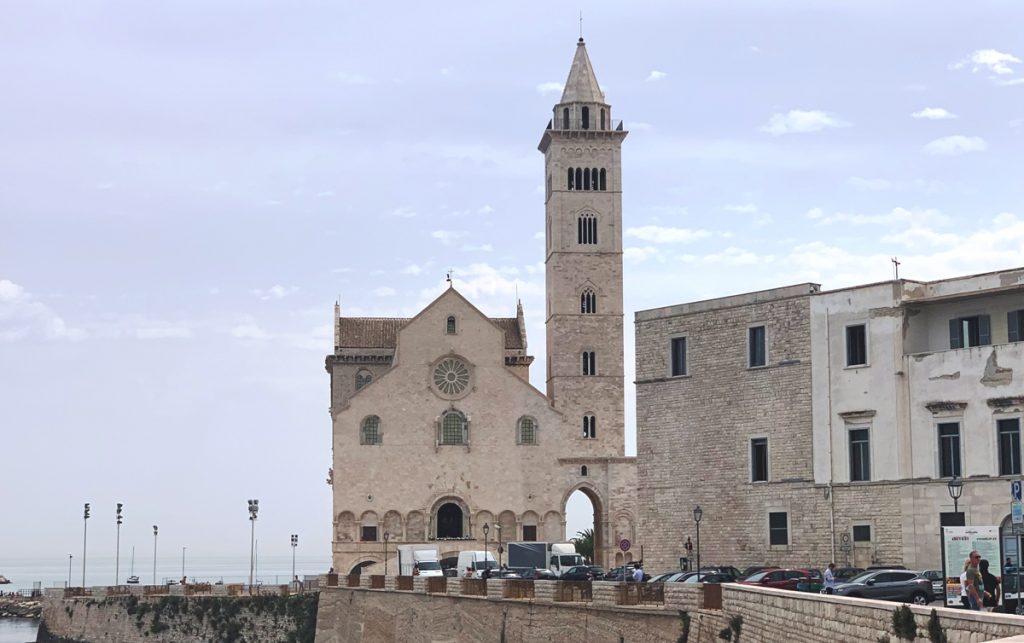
(778, 578)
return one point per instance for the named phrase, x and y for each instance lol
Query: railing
(236, 589)
(352, 580)
(191, 589)
(573, 591)
(377, 581)
(437, 585)
(518, 588)
(594, 125)
(404, 583)
(474, 587)
(641, 593)
(118, 590)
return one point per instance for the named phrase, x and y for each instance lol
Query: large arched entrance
(449, 521)
(585, 519)
(358, 568)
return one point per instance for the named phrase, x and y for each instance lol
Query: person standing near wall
(830, 579)
(990, 599)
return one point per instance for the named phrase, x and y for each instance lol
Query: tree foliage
(584, 541)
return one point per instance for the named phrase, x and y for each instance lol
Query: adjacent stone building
(813, 426)
(437, 431)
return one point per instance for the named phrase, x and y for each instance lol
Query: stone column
(364, 581)
(454, 587)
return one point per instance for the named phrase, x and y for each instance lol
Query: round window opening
(451, 377)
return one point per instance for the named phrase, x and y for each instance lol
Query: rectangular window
(778, 528)
(589, 363)
(530, 533)
(856, 345)
(1009, 446)
(1015, 326)
(862, 533)
(759, 460)
(967, 332)
(756, 350)
(860, 455)
(678, 356)
(949, 449)
(369, 534)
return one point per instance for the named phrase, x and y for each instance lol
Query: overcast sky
(187, 187)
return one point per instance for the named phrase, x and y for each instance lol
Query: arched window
(588, 302)
(586, 229)
(369, 431)
(593, 179)
(571, 183)
(589, 363)
(452, 428)
(565, 118)
(526, 431)
(363, 377)
(603, 185)
(602, 118)
(586, 118)
(583, 470)
(579, 178)
(586, 178)
(589, 427)
(449, 521)
(450, 326)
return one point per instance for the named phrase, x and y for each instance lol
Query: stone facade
(437, 431)
(695, 429)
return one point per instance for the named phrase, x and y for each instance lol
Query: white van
(478, 561)
(421, 557)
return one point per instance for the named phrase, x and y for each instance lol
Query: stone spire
(521, 322)
(337, 323)
(581, 86)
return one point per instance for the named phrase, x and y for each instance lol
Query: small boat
(133, 580)
(4, 580)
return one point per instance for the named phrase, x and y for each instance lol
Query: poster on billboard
(957, 545)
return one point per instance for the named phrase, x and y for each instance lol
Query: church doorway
(583, 520)
(449, 521)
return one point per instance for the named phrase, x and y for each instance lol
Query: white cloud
(1017, 123)
(934, 114)
(995, 62)
(163, 332)
(549, 88)
(447, 237)
(754, 49)
(746, 208)
(956, 145)
(869, 184)
(731, 256)
(403, 211)
(638, 126)
(758, 217)
(341, 270)
(799, 121)
(352, 78)
(274, 292)
(660, 234)
(385, 291)
(414, 269)
(655, 76)
(249, 331)
(895, 217)
(485, 209)
(22, 316)
(486, 247)
(640, 254)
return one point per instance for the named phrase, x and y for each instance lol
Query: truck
(423, 557)
(557, 557)
(478, 561)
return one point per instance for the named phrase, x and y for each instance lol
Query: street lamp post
(697, 515)
(117, 551)
(254, 508)
(295, 544)
(487, 529)
(85, 531)
(498, 527)
(956, 488)
(155, 531)
(387, 537)
(183, 564)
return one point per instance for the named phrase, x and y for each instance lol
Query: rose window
(451, 377)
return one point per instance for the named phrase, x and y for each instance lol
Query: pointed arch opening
(450, 521)
(593, 178)
(586, 178)
(571, 183)
(588, 302)
(603, 126)
(584, 520)
(585, 117)
(565, 118)
(604, 185)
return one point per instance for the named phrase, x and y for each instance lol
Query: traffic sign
(1017, 512)
(624, 544)
(845, 547)
(1015, 490)
(1018, 529)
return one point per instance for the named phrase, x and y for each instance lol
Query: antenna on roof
(896, 268)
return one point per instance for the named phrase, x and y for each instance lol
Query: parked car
(661, 578)
(889, 585)
(579, 572)
(619, 573)
(778, 578)
(727, 570)
(843, 574)
(133, 580)
(680, 577)
(1009, 589)
(938, 580)
(756, 569)
(708, 577)
(538, 574)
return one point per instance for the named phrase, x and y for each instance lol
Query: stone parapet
(218, 590)
(390, 583)
(495, 588)
(544, 591)
(454, 587)
(680, 596)
(364, 581)
(605, 593)
(419, 585)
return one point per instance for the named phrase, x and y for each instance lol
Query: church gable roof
(382, 332)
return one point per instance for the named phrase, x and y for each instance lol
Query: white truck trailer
(422, 557)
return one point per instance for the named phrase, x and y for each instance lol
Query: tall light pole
(254, 508)
(487, 528)
(295, 544)
(85, 531)
(697, 515)
(117, 554)
(155, 530)
(387, 536)
(183, 564)
(69, 569)
(497, 526)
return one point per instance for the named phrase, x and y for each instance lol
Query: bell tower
(583, 259)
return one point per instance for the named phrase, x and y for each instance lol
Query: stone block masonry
(179, 619)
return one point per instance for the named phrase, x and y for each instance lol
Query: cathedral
(437, 430)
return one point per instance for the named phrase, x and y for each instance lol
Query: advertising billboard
(957, 544)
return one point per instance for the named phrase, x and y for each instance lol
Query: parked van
(478, 561)
(421, 557)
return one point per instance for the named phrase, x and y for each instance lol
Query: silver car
(889, 585)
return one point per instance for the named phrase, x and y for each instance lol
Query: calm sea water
(29, 573)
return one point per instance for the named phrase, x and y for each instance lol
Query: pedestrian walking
(972, 577)
(830, 579)
(638, 574)
(990, 598)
